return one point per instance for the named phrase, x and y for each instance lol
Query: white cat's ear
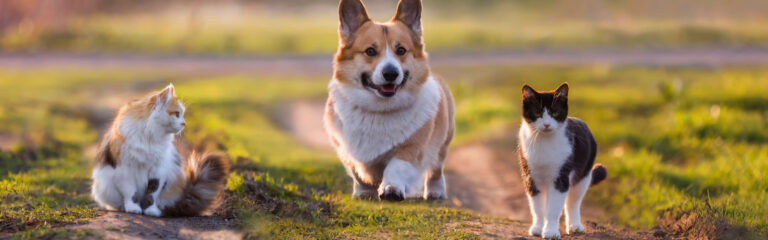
(165, 96)
(562, 91)
(528, 92)
(170, 89)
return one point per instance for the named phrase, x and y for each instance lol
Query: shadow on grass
(695, 187)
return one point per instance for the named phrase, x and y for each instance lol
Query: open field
(684, 147)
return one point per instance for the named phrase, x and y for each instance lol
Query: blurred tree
(37, 15)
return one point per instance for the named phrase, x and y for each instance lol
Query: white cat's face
(172, 121)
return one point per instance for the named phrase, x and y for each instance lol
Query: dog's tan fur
(432, 138)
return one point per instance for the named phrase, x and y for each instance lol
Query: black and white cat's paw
(535, 230)
(391, 193)
(132, 208)
(575, 228)
(550, 232)
(153, 211)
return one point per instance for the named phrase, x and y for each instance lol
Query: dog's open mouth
(385, 90)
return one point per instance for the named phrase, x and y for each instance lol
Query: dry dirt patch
(119, 225)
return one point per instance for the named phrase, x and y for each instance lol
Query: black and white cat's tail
(205, 181)
(599, 173)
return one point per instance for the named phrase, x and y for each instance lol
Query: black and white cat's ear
(528, 92)
(409, 12)
(562, 91)
(352, 15)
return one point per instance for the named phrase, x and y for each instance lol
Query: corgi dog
(139, 170)
(388, 117)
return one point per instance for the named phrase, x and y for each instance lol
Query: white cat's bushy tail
(202, 189)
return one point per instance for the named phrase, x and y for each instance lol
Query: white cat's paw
(133, 208)
(551, 232)
(153, 211)
(392, 193)
(535, 230)
(575, 228)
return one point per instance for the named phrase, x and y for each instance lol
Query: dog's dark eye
(370, 52)
(400, 51)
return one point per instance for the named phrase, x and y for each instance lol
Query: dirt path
(119, 225)
(485, 180)
(482, 177)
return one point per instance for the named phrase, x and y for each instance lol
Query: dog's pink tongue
(388, 88)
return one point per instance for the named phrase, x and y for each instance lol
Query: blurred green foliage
(309, 27)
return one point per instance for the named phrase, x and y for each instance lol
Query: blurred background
(263, 27)
(674, 92)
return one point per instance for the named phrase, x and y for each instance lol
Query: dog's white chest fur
(545, 153)
(365, 135)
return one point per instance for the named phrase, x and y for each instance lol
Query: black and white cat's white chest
(545, 153)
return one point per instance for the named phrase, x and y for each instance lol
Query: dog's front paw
(133, 208)
(391, 193)
(575, 228)
(153, 211)
(435, 195)
(535, 230)
(550, 232)
(365, 195)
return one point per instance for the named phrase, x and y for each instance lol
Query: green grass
(452, 26)
(676, 141)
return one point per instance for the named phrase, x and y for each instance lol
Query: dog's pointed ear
(528, 92)
(352, 15)
(409, 12)
(562, 91)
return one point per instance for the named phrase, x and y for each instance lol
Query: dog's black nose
(390, 73)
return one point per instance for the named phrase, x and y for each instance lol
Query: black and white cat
(556, 157)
